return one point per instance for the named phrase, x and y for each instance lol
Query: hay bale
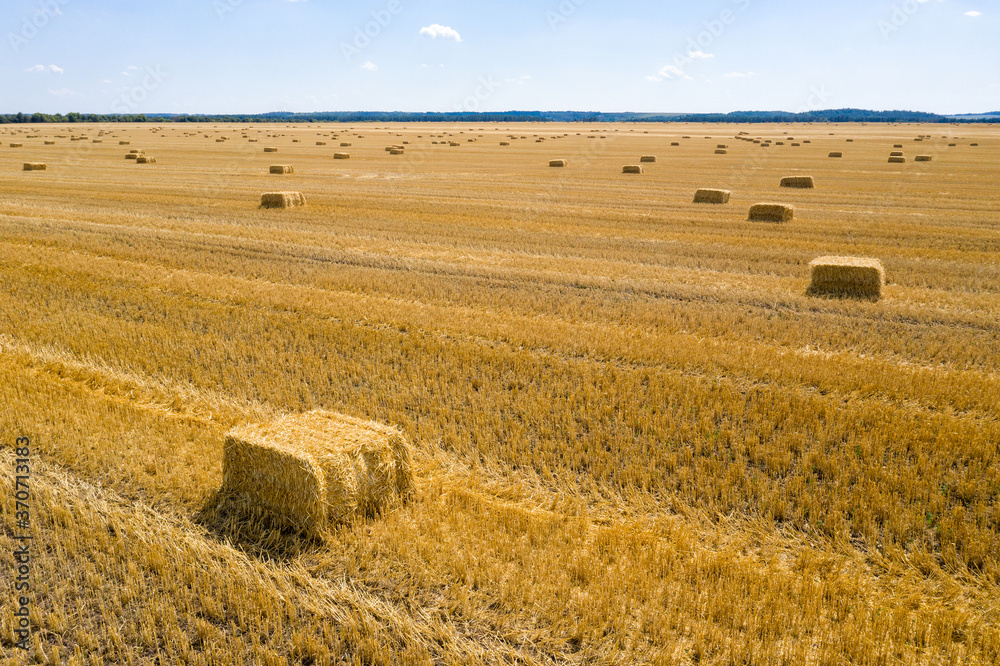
(282, 168)
(318, 468)
(502, 143)
(896, 153)
(897, 145)
(771, 212)
(897, 160)
(923, 158)
(721, 151)
(801, 182)
(648, 158)
(854, 277)
(632, 168)
(973, 145)
(675, 143)
(345, 144)
(836, 154)
(270, 150)
(50, 143)
(341, 156)
(710, 196)
(131, 156)
(142, 159)
(124, 143)
(397, 151)
(796, 145)
(17, 145)
(454, 143)
(321, 143)
(722, 145)
(558, 163)
(282, 199)
(34, 166)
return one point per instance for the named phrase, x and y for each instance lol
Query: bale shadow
(235, 518)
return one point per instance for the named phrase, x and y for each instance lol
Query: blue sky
(252, 56)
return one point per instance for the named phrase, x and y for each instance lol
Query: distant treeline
(742, 117)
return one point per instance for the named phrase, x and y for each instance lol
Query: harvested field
(636, 436)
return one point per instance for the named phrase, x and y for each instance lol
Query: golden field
(636, 438)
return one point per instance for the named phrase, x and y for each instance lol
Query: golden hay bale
(282, 199)
(397, 151)
(710, 196)
(896, 153)
(721, 151)
(454, 143)
(131, 156)
(341, 156)
(142, 159)
(345, 144)
(836, 154)
(796, 144)
(675, 143)
(318, 468)
(897, 160)
(34, 166)
(270, 150)
(502, 143)
(97, 141)
(973, 145)
(50, 143)
(802, 182)
(648, 158)
(124, 143)
(17, 145)
(282, 168)
(632, 168)
(923, 158)
(321, 143)
(897, 145)
(558, 163)
(855, 277)
(722, 145)
(771, 212)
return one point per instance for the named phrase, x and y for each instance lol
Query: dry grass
(636, 438)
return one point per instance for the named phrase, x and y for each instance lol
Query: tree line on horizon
(742, 117)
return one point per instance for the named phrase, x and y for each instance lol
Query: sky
(257, 56)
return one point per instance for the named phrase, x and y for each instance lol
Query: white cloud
(669, 72)
(700, 55)
(128, 70)
(444, 32)
(370, 66)
(973, 13)
(44, 68)
(738, 75)
(62, 92)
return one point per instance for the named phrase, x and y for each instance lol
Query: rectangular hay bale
(318, 468)
(801, 182)
(853, 277)
(558, 163)
(771, 212)
(282, 168)
(710, 196)
(282, 199)
(34, 166)
(632, 168)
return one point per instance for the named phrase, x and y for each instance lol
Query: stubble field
(636, 438)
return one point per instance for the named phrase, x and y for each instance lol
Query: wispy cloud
(370, 66)
(45, 68)
(63, 92)
(973, 13)
(700, 55)
(669, 73)
(436, 30)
